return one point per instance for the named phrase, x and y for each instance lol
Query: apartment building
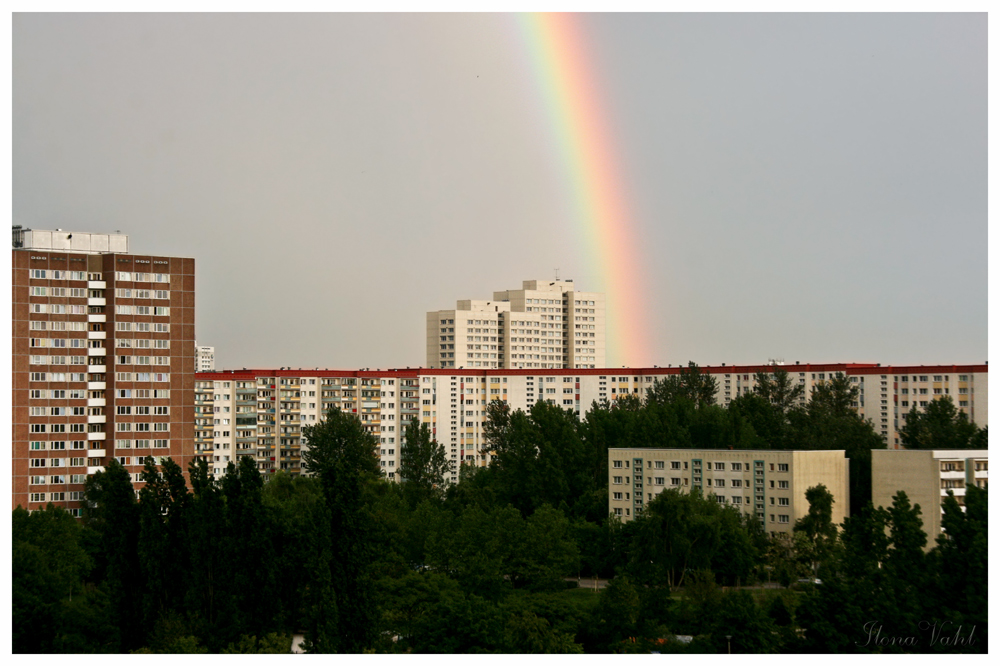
(452, 402)
(102, 361)
(926, 477)
(261, 413)
(770, 485)
(545, 324)
(204, 358)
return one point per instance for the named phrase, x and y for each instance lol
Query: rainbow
(585, 145)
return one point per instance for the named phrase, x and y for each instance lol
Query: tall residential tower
(102, 360)
(545, 324)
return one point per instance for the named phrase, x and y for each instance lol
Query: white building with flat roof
(545, 324)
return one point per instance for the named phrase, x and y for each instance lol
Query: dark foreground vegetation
(359, 564)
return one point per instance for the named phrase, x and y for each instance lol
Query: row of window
(142, 293)
(57, 479)
(74, 496)
(56, 446)
(44, 274)
(141, 327)
(55, 308)
(122, 276)
(58, 462)
(142, 310)
(142, 360)
(141, 443)
(141, 427)
(142, 376)
(58, 427)
(57, 360)
(58, 292)
(142, 410)
(142, 393)
(129, 343)
(58, 326)
(58, 411)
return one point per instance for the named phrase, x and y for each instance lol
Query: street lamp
(729, 645)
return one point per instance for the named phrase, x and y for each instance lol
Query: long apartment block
(546, 324)
(102, 361)
(262, 411)
(927, 477)
(770, 485)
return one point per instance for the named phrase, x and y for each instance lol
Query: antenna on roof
(557, 274)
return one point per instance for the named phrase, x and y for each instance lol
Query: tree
(343, 455)
(778, 389)
(818, 526)
(423, 464)
(940, 426)
(48, 567)
(110, 509)
(690, 384)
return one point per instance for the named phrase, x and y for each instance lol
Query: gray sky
(809, 187)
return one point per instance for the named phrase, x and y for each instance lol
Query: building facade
(204, 359)
(263, 410)
(102, 361)
(926, 477)
(770, 485)
(545, 324)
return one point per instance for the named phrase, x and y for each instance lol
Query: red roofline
(409, 373)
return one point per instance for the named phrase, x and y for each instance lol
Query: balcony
(97, 335)
(96, 351)
(96, 436)
(97, 368)
(96, 386)
(97, 284)
(97, 317)
(97, 453)
(94, 470)
(97, 301)
(96, 402)
(97, 418)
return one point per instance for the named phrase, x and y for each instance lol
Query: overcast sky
(806, 187)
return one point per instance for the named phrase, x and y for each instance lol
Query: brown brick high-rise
(102, 360)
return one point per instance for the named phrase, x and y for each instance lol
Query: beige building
(545, 324)
(770, 485)
(926, 477)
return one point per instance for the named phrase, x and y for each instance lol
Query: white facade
(545, 324)
(205, 359)
(453, 402)
(59, 240)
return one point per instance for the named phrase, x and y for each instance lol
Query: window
(616, 479)
(782, 467)
(737, 467)
(659, 464)
(781, 484)
(782, 518)
(782, 501)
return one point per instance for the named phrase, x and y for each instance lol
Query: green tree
(778, 388)
(343, 455)
(111, 510)
(48, 567)
(818, 527)
(940, 426)
(272, 643)
(690, 384)
(423, 464)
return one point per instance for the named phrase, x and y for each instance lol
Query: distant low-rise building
(768, 484)
(926, 476)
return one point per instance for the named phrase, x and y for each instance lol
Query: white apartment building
(545, 324)
(205, 357)
(926, 477)
(262, 411)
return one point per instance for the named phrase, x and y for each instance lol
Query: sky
(806, 187)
